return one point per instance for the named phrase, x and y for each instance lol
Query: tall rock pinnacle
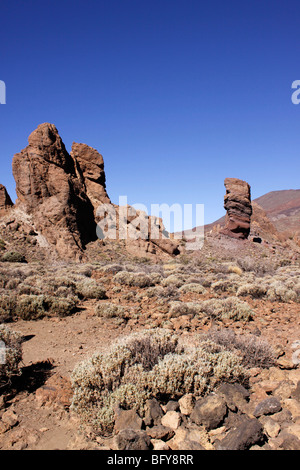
(237, 202)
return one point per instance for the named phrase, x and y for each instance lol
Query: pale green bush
(224, 285)
(90, 289)
(109, 310)
(173, 280)
(192, 287)
(134, 279)
(254, 290)
(255, 351)
(178, 309)
(11, 350)
(145, 365)
(230, 307)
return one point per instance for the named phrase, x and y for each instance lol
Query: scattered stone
(159, 445)
(2, 402)
(129, 439)
(267, 407)
(186, 404)
(290, 442)
(271, 427)
(160, 432)
(171, 419)
(153, 413)
(57, 390)
(4, 427)
(172, 405)
(209, 411)
(284, 389)
(248, 433)
(292, 405)
(9, 417)
(285, 363)
(127, 419)
(235, 396)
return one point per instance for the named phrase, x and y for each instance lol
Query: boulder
(267, 407)
(247, 433)
(128, 439)
(209, 411)
(153, 413)
(127, 419)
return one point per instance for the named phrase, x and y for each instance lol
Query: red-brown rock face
(48, 188)
(90, 166)
(62, 192)
(237, 202)
(5, 201)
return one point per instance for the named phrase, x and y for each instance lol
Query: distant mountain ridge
(283, 209)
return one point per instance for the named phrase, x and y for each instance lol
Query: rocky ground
(35, 410)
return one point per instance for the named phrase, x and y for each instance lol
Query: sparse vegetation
(255, 352)
(145, 365)
(10, 354)
(13, 257)
(110, 310)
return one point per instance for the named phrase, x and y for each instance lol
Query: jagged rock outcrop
(90, 167)
(49, 189)
(237, 202)
(5, 201)
(62, 193)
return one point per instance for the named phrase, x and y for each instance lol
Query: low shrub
(13, 257)
(255, 352)
(278, 292)
(254, 290)
(149, 364)
(160, 292)
(8, 305)
(10, 354)
(33, 307)
(178, 309)
(192, 287)
(90, 289)
(230, 308)
(235, 270)
(109, 310)
(224, 285)
(173, 280)
(134, 279)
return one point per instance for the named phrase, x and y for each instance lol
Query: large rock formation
(237, 202)
(49, 189)
(5, 201)
(62, 193)
(90, 167)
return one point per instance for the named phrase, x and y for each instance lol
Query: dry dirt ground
(40, 399)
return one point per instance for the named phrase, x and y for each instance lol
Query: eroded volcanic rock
(62, 193)
(49, 189)
(90, 166)
(237, 202)
(5, 201)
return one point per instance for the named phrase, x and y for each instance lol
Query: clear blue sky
(175, 94)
